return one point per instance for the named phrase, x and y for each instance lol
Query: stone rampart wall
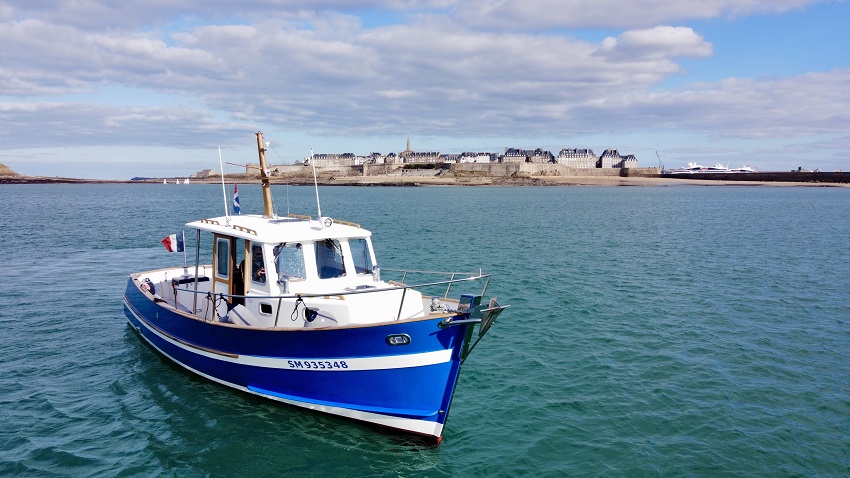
(548, 169)
(479, 169)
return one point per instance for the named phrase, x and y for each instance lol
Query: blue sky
(96, 90)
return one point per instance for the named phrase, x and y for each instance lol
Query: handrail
(347, 223)
(244, 229)
(478, 272)
(401, 304)
(449, 286)
(394, 286)
(349, 292)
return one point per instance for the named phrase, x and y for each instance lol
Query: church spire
(408, 150)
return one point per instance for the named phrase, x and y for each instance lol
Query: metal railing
(475, 275)
(469, 277)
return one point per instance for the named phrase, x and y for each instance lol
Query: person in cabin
(258, 270)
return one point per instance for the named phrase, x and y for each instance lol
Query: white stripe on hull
(337, 364)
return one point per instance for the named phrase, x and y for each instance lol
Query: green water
(662, 331)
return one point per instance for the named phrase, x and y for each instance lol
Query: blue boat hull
(352, 372)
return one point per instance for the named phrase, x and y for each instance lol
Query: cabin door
(224, 265)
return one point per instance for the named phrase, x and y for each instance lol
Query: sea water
(653, 331)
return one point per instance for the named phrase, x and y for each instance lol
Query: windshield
(289, 259)
(329, 259)
(360, 255)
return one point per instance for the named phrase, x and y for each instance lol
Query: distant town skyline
(110, 90)
(583, 158)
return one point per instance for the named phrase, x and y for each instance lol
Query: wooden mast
(268, 210)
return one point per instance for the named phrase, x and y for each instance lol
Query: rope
(294, 315)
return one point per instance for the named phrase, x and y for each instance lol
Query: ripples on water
(653, 331)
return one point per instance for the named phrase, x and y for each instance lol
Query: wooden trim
(347, 223)
(245, 229)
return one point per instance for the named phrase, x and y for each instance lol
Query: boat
(743, 169)
(295, 309)
(717, 168)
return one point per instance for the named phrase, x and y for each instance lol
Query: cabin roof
(256, 228)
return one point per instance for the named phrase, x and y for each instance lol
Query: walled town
(583, 158)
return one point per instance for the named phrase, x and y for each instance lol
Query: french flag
(236, 207)
(174, 243)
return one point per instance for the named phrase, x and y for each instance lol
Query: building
(628, 161)
(579, 158)
(331, 160)
(470, 157)
(409, 156)
(516, 155)
(375, 158)
(539, 156)
(205, 173)
(415, 157)
(611, 158)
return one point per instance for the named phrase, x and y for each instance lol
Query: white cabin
(255, 260)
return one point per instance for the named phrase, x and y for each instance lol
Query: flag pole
(185, 261)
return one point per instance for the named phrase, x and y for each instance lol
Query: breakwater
(772, 176)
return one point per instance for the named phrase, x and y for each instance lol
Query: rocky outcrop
(5, 171)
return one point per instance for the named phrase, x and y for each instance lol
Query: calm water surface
(685, 331)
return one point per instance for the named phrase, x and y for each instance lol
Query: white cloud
(656, 43)
(546, 14)
(436, 72)
(501, 15)
(430, 75)
(43, 124)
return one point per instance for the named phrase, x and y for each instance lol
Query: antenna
(287, 198)
(315, 183)
(269, 145)
(223, 191)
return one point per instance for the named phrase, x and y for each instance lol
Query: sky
(114, 90)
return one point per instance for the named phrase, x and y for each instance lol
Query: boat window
(289, 259)
(258, 266)
(222, 257)
(329, 259)
(239, 271)
(360, 255)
